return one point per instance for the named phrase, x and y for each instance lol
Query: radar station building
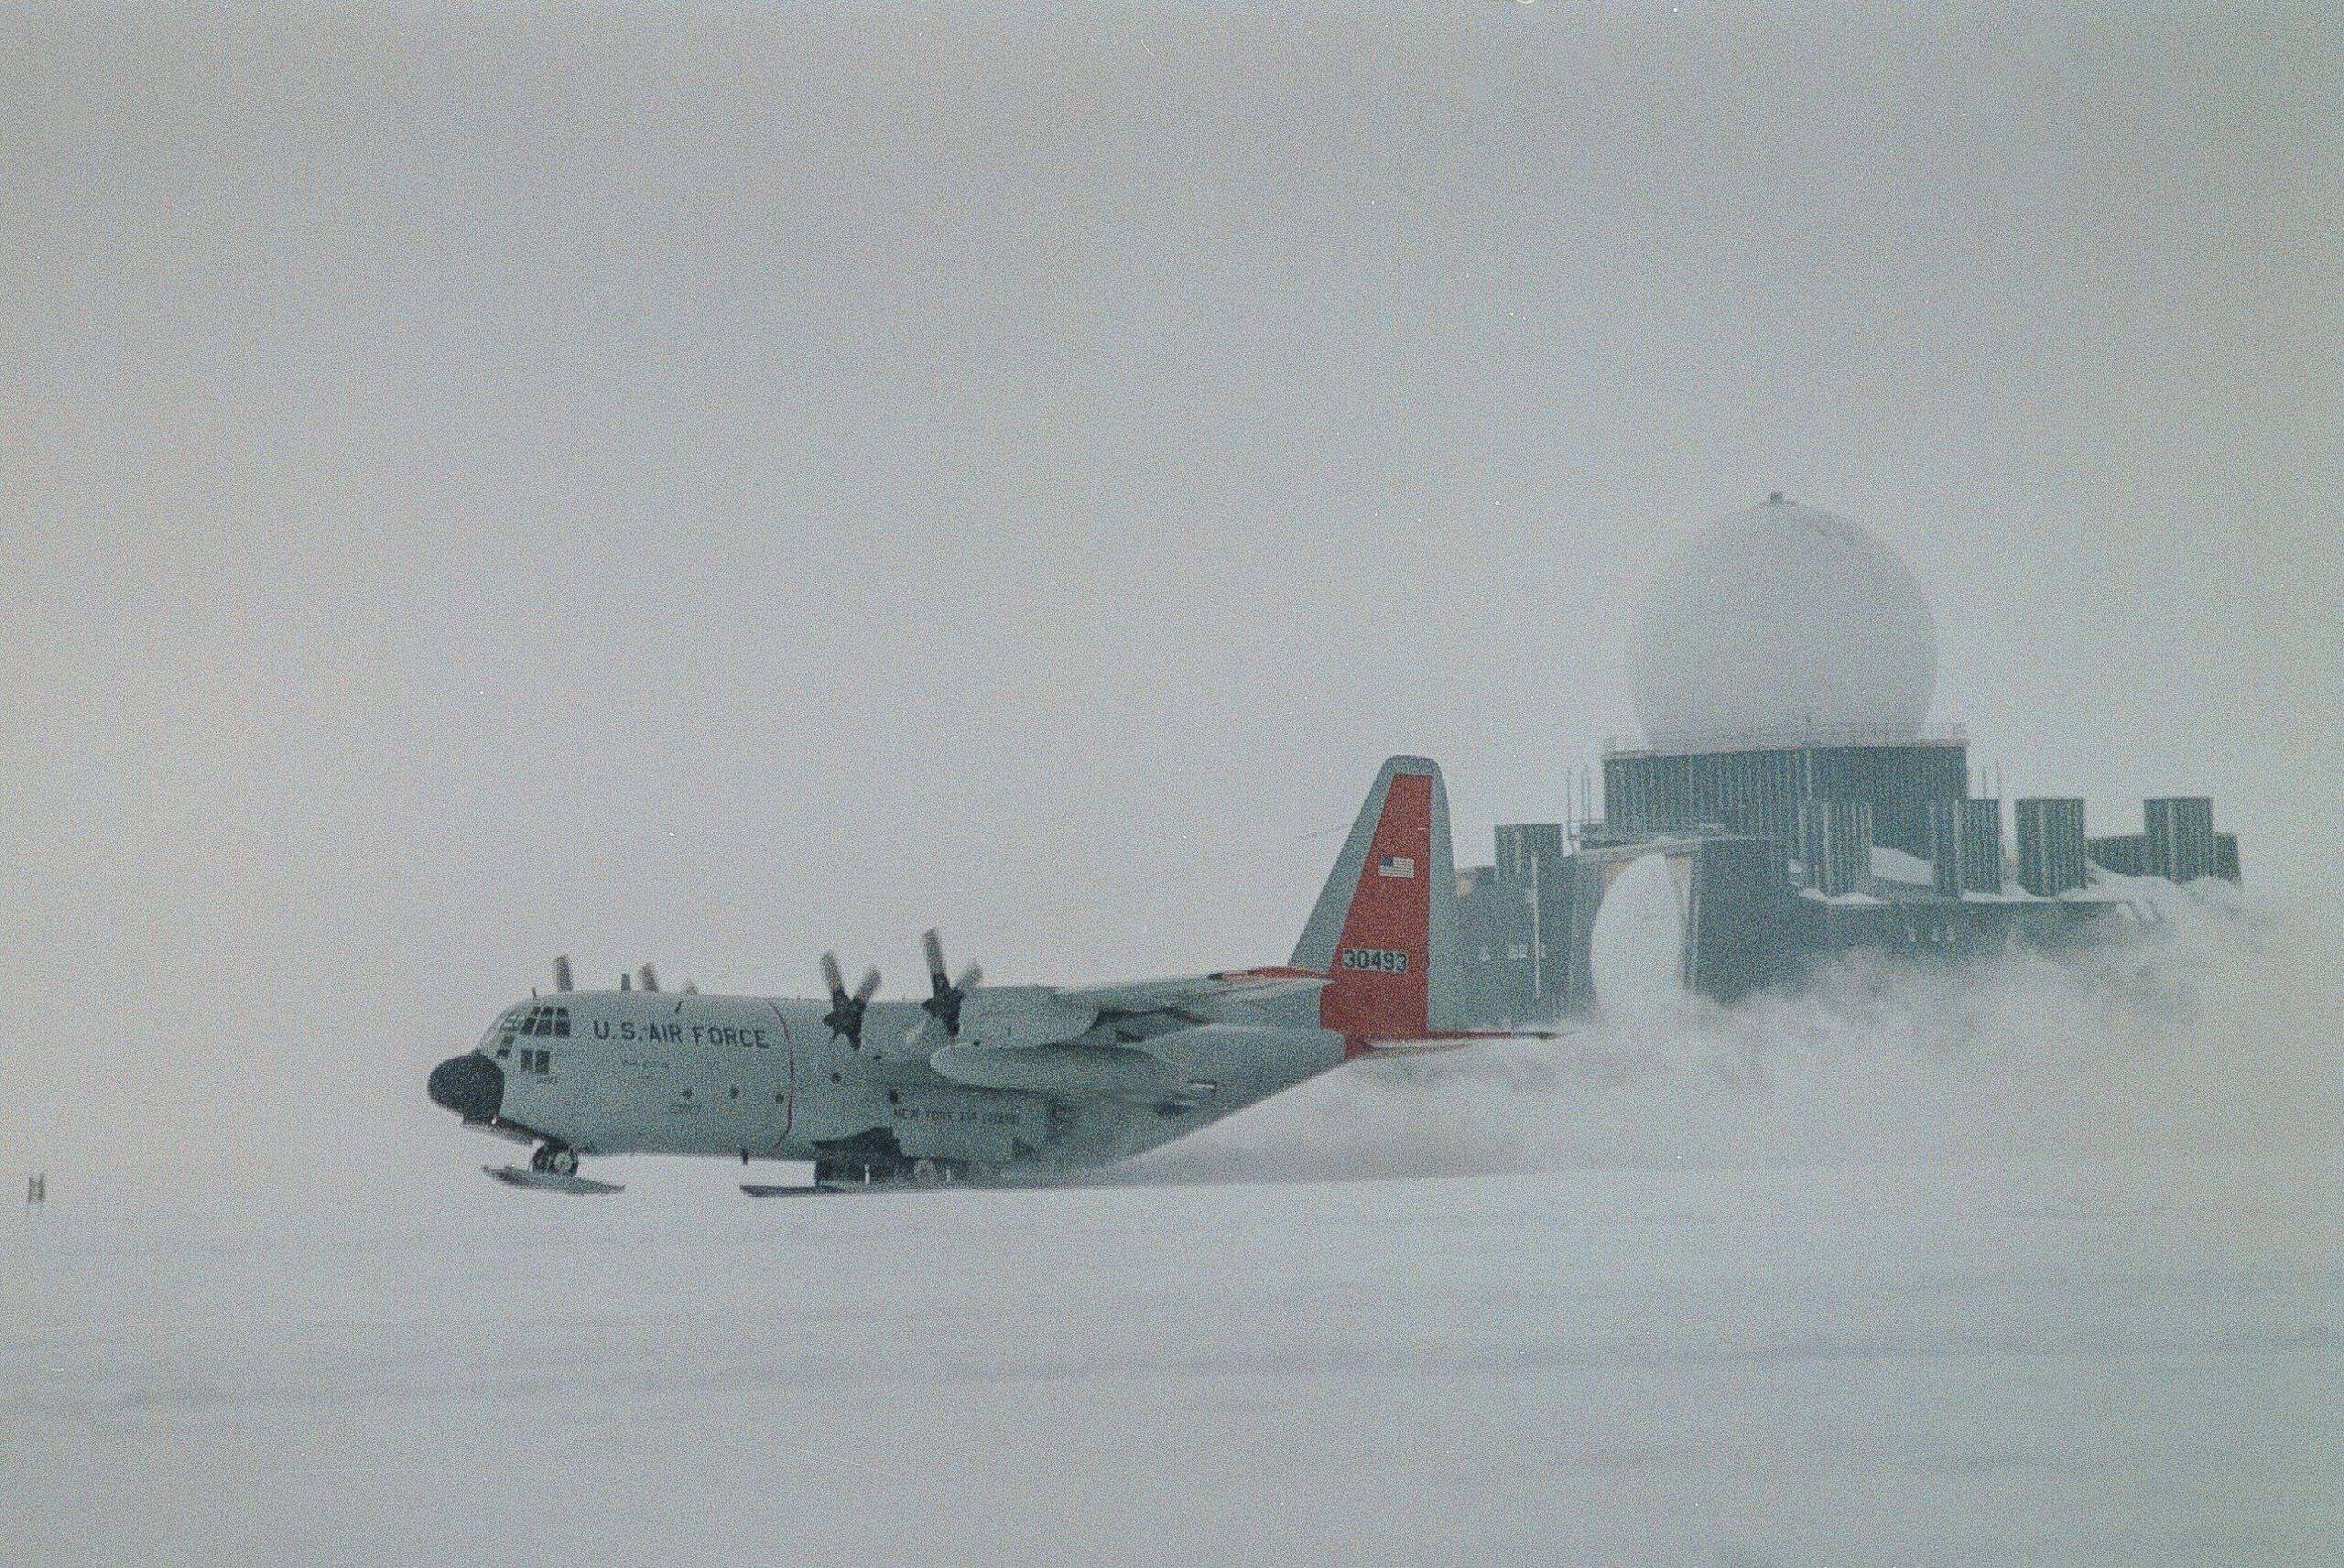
(1782, 668)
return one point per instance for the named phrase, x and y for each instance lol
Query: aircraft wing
(1001, 1018)
(1087, 1040)
(1139, 997)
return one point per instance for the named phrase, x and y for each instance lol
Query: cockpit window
(547, 1019)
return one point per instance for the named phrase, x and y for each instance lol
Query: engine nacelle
(1018, 1018)
(1175, 1066)
(1082, 1071)
(1248, 1057)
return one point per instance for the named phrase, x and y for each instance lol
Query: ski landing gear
(552, 1169)
(877, 1174)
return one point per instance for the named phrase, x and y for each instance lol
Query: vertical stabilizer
(1385, 924)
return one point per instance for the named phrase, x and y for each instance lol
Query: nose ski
(550, 1180)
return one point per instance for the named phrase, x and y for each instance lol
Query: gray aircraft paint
(1040, 1080)
(1065, 1105)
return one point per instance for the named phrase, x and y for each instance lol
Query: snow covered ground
(1714, 1366)
(2041, 1263)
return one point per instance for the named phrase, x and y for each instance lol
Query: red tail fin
(1383, 926)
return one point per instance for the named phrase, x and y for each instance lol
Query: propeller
(845, 1017)
(944, 1006)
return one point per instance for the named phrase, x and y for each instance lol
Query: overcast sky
(709, 486)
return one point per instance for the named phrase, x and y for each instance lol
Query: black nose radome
(472, 1086)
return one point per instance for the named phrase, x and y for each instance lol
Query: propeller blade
(845, 1017)
(944, 1006)
(933, 945)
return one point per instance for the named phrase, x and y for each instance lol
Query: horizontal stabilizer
(1459, 1042)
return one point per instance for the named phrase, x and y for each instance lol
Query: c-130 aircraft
(977, 1084)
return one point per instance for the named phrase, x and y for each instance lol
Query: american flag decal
(1396, 866)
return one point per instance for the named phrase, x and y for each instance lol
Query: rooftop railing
(1786, 738)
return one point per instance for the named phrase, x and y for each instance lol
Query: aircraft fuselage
(982, 1082)
(761, 1078)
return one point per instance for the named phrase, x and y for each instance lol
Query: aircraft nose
(472, 1086)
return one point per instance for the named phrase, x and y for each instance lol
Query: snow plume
(2199, 1033)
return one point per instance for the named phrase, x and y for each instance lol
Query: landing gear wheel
(562, 1162)
(541, 1158)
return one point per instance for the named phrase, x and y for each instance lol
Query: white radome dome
(1781, 624)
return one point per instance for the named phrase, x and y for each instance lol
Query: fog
(714, 486)
(2034, 1260)
(711, 485)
